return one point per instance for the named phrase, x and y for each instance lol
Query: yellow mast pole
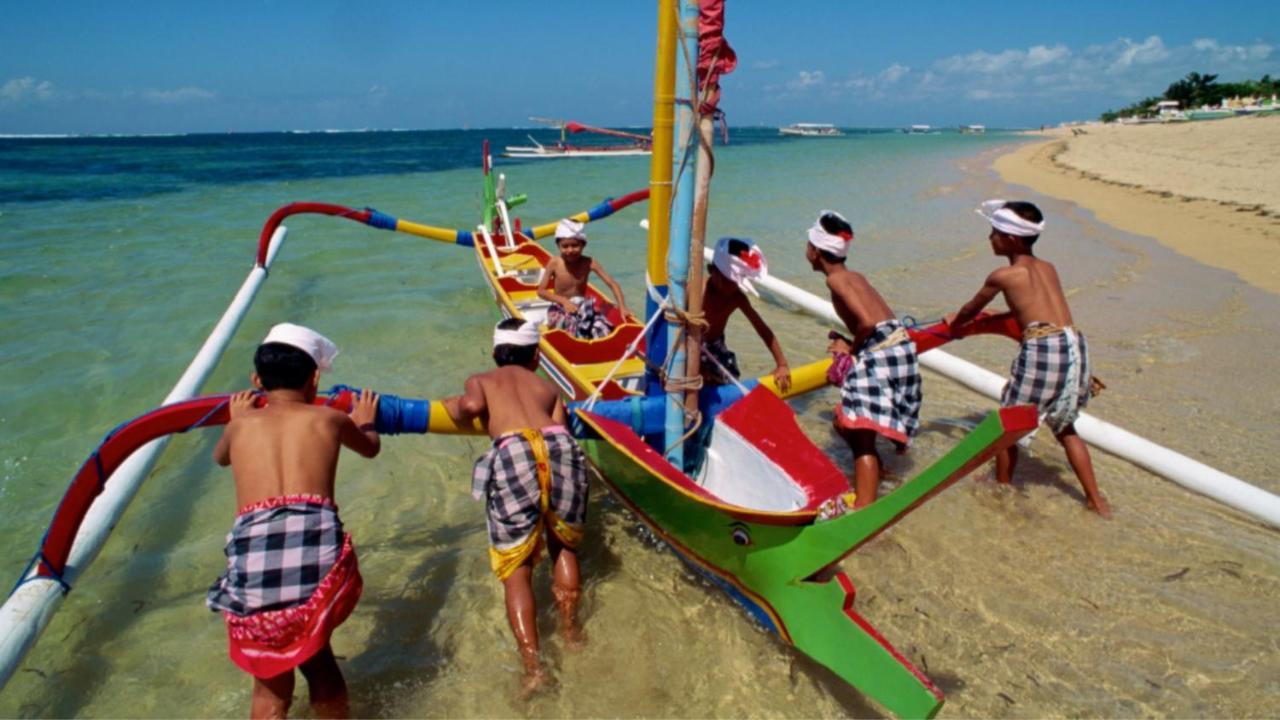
(664, 85)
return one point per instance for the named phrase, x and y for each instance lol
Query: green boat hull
(777, 565)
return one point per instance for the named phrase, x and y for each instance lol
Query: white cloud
(1210, 49)
(1147, 52)
(807, 79)
(765, 64)
(25, 89)
(178, 96)
(894, 73)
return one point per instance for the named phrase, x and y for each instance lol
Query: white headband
(524, 336)
(1008, 221)
(567, 228)
(319, 347)
(823, 240)
(743, 268)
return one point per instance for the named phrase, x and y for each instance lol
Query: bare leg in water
(1082, 463)
(327, 687)
(866, 466)
(523, 616)
(1006, 462)
(567, 589)
(272, 696)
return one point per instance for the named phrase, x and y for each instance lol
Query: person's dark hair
(836, 225)
(282, 366)
(520, 355)
(1027, 211)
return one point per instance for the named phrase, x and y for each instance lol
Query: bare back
(285, 449)
(1033, 292)
(514, 398)
(858, 304)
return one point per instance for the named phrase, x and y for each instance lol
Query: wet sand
(1209, 190)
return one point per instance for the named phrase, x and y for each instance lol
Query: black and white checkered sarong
(718, 356)
(591, 322)
(506, 477)
(1052, 373)
(277, 552)
(883, 390)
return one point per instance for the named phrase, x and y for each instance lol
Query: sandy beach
(1208, 190)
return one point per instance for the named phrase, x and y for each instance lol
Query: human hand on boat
(839, 345)
(241, 403)
(782, 377)
(364, 411)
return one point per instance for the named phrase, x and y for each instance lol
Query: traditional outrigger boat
(637, 144)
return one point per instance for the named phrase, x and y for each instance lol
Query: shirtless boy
(291, 574)
(564, 285)
(1052, 367)
(878, 372)
(533, 481)
(735, 263)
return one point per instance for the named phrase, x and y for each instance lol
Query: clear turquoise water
(119, 254)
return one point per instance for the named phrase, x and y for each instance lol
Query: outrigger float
(742, 508)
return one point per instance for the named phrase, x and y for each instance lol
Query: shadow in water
(136, 580)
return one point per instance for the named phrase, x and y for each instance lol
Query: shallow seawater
(1014, 600)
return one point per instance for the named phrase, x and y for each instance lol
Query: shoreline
(1141, 180)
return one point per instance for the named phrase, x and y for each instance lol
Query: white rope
(630, 351)
(724, 371)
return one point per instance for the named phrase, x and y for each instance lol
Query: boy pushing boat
(533, 481)
(291, 574)
(877, 371)
(1052, 367)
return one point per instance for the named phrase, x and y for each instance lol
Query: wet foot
(1100, 506)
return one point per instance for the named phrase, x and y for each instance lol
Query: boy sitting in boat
(735, 263)
(1052, 367)
(533, 481)
(564, 285)
(877, 371)
(291, 574)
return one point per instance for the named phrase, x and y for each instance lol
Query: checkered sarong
(591, 322)
(882, 390)
(727, 359)
(278, 552)
(506, 478)
(1052, 373)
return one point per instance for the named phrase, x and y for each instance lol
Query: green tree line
(1196, 90)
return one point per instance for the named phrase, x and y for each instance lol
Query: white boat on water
(810, 130)
(920, 130)
(638, 145)
(973, 129)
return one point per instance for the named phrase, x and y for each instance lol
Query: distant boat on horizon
(810, 130)
(920, 130)
(973, 129)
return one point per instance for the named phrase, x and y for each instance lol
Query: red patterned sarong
(269, 643)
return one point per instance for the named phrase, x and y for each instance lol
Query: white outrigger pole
(33, 602)
(1191, 474)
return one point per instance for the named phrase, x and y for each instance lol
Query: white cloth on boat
(836, 243)
(742, 268)
(525, 335)
(319, 347)
(1008, 221)
(569, 228)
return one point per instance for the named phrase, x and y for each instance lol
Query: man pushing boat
(533, 480)
(291, 574)
(1052, 367)
(877, 371)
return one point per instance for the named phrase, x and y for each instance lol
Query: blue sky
(154, 67)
